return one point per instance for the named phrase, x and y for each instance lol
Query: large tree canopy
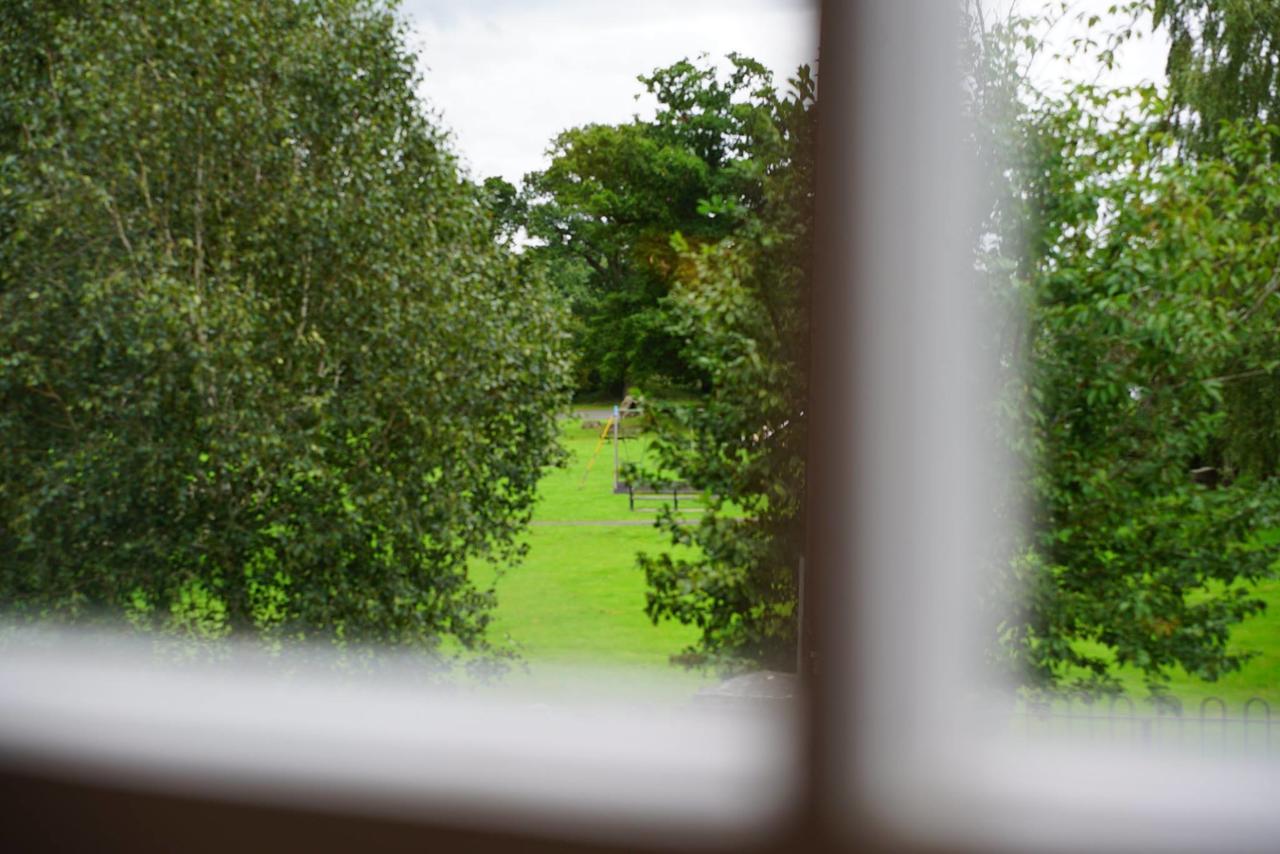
(1146, 275)
(1155, 299)
(1224, 64)
(605, 209)
(263, 364)
(740, 306)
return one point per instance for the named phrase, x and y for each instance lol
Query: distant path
(593, 414)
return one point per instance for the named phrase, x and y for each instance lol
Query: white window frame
(882, 751)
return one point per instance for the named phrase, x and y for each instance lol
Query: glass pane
(471, 331)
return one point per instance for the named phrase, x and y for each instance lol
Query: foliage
(1150, 285)
(740, 305)
(263, 365)
(577, 596)
(506, 208)
(603, 213)
(1224, 64)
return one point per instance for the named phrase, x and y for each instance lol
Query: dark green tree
(1147, 284)
(1153, 300)
(605, 209)
(506, 208)
(263, 365)
(740, 307)
(1224, 64)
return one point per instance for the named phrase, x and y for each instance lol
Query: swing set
(612, 426)
(638, 493)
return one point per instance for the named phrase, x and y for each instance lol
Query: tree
(605, 209)
(1224, 64)
(263, 365)
(1149, 284)
(740, 306)
(506, 208)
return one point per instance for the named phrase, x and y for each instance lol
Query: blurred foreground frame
(105, 753)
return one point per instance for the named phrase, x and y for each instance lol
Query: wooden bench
(663, 494)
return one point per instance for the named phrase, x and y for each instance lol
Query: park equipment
(613, 426)
(640, 496)
(662, 493)
(608, 425)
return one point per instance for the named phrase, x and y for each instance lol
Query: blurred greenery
(263, 365)
(272, 365)
(1146, 275)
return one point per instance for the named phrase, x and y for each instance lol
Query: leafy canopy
(1224, 64)
(739, 304)
(604, 211)
(263, 365)
(1146, 415)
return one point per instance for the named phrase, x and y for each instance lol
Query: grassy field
(1260, 676)
(577, 602)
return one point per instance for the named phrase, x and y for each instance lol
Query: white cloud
(508, 76)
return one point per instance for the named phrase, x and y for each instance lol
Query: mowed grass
(582, 491)
(579, 597)
(577, 601)
(1260, 676)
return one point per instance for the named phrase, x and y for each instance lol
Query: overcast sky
(1140, 60)
(508, 75)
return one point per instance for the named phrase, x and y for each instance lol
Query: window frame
(870, 759)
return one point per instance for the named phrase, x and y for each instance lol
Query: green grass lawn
(579, 597)
(577, 601)
(573, 493)
(1260, 676)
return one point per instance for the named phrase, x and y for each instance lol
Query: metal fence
(1211, 729)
